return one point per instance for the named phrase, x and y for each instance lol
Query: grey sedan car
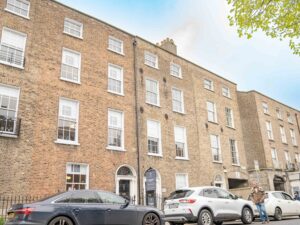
(83, 207)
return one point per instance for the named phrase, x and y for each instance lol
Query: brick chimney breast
(169, 45)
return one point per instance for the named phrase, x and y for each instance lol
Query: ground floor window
(77, 176)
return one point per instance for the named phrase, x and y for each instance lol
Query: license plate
(11, 215)
(173, 206)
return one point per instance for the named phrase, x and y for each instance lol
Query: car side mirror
(235, 197)
(125, 205)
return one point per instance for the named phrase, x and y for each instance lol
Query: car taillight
(24, 211)
(187, 200)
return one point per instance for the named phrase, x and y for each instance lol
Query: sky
(201, 31)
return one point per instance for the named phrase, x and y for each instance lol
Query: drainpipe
(137, 124)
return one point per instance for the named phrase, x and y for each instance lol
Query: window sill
(66, 142)
(70, 81)
(236, 165)
(268, 114)
(285, 143)
(182, 158)
(229, 97)
(156, 155)
(295, 146)
(80, 37)
(152, 66)
(181, 113)
(12, 12)
(12, 65)
(115, 93)
(272, 140)
(115, 149)
(216, 123)
(151, 104)
(280, 119)
(178, 77)
(119, 53)
(212, 90)
(218, 162)
(8, 135)
(232, 128)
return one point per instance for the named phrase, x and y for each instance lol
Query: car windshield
(180, 194)
(48, 197)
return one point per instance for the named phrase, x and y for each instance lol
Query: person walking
(296, 196)
(258, 198)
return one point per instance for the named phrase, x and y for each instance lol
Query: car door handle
(108, 210)
(226, 202)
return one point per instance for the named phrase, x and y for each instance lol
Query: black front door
(124, 189)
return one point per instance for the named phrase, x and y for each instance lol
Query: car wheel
(205, 217)
(218, 223)
(247, 216)
(151, 219)
(61, 220)
(278, 214)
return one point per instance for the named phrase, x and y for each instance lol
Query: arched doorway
(219, 181)
(152, 188)
(278, 182)
(126, 183)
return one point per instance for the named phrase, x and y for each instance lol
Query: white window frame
(116, 40)
(283, 134)
(265, 108)
(293, 137)
(79, 67)
(274, 153)
(16, 13)
(227, 92)
(172, 72)
(231, 117)
(181, 100)
(287, 156)
(290, 118)
(236, 152)
(160, 154)
(14, 47)
(269, 130)
(67, 142)
(157, 90)
(122, 79)
(219, 148)
(186, 176)
(186, 156)
(215, 120)
(209, 85)
(151, 55)
(279, 113)
(10, 91)
(87, 172)
(111, 147)
(76, 23)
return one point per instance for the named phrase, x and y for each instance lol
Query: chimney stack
(169, 45)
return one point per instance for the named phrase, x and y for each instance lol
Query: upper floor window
(215, 148)
(234, 152)
(211, 111)
(115, 45)
(282, 134)
(154, 138)
(9, 99)
(226, 92)
(229, 117)
(152, 92)
(297, 157)
(177, 98)
(180, 142)
(290, 118)
(71, 63)
(19, 7)
(115, 130)
(115, 79)
(73, 28)
(279, 113)
(208, 84)
(274, 154)
(269, 130)
(151, 60)
(12, 48)
(293, 137)
(175, 70)
(68, 121)
(181, 180)
(77, 176)
(265, 108)
(287, 156)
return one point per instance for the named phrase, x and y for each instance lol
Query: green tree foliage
(276, 18)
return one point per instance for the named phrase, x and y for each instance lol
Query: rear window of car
(277, 195)
(180, 194)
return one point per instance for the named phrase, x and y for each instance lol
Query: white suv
(205, 206)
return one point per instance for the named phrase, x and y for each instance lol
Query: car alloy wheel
(61, 220)
(151, 219)
(205, 218)
(278, 214)
(247, 216)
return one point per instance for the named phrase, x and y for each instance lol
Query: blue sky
(202, 34)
